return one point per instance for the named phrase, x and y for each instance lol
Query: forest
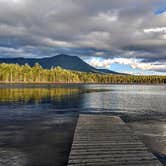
(14, 73)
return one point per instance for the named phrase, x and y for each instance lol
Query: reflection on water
(131, 99)
(37, 122)
(32, 132)
(36, 95)
(39, 142)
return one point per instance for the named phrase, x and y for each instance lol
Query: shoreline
(76, 83)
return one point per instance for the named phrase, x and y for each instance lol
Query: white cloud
(51, 42)
(10, 50)
(100, 63)
(134, 63)
(110, 16)
(16, 1)
(99, 53)
(157, 30)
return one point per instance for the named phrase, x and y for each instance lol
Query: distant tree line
(14, 73)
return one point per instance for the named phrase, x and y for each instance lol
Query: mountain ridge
(65, 61)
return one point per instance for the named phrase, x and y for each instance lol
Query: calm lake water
(37, 122)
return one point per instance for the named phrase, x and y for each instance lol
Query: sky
(122, 35)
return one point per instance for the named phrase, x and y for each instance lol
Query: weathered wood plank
(106, 140)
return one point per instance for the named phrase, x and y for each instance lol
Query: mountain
(106, 71)
(64, 61)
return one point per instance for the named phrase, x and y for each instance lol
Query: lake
(37, 122)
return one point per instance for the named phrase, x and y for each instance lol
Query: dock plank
(106, 140)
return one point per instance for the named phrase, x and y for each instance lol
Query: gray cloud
(87, 28)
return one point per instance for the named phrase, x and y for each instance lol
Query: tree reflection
(35, 94)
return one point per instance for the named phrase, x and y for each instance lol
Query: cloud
(100, 63)
(133, 63)
(106, 17)
(96, 39)
(99, 53)
(159, 29)
(106, 29)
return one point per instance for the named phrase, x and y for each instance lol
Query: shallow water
(37, 122)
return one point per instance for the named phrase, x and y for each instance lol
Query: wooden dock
(101, 140)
